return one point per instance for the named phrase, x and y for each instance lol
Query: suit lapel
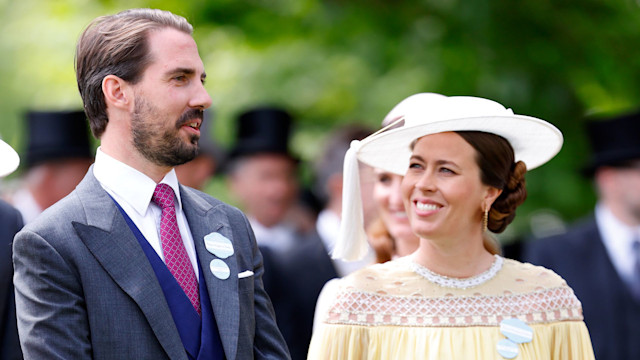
(204, 219)
(109, 239)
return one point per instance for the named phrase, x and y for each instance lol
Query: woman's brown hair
(496, 160)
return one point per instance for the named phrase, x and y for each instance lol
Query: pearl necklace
(458, 283)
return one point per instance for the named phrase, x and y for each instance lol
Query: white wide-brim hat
(534, 142)
(9, 159)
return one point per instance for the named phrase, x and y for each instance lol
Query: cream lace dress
(400, 310)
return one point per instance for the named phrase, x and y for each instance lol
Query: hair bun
(518, 170)
(503, 209)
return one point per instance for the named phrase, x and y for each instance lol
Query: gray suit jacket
(85, 289)
(610, 311)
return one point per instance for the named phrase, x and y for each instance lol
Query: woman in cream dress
(463, 161)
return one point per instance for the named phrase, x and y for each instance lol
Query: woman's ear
(116, 92)
(491, 195)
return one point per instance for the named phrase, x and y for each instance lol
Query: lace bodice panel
(395, 294)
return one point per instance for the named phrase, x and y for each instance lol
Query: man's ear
(117, 92)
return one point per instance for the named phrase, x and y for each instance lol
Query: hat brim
(9, 159)
(534, 141)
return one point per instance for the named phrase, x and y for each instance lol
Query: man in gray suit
(133, 265)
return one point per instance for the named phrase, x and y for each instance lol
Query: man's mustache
(190, 115)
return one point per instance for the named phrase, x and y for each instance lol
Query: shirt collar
(328, 227)
(129, 184)
(617, 238)
(612, 228)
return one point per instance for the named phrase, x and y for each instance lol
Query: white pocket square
(245, 274)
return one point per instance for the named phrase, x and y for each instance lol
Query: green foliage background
(338, 61)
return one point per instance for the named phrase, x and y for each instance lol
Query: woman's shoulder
(341, 293)
(540, 294)
(369, 278)
(529, 277)
(376, 277)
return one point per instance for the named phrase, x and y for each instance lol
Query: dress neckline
(459, 283)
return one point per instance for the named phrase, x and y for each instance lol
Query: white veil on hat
(534, 142)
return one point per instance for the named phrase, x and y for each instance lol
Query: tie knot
(163, 196)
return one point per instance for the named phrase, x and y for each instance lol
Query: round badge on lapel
(218, 245)
(219, 269)
(516, 330)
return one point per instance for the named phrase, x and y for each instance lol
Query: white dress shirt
(280, 237)
(618, 240)
(24, 201)
(133, 191)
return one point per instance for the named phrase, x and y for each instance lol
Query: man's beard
(162, 146)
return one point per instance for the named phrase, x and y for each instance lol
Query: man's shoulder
(210, 200)
(59, 217)
(9, 214)
(569, 247)
(202, 196)
(574, 235)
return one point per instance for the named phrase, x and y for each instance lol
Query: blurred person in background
(328, 188)
(10, 224)
(262, 175)
(197, 172)
(57, 156)
(599, 257)
(390, 234)
(307, 266)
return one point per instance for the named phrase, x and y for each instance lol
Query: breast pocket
(245, 285)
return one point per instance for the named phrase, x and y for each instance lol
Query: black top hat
(262, 130)
(614, 141)
(54, 135)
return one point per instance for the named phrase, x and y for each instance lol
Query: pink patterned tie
(175, 255)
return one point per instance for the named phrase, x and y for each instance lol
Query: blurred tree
(337, 61)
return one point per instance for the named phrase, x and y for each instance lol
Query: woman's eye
(384, 178)
(446, 170)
